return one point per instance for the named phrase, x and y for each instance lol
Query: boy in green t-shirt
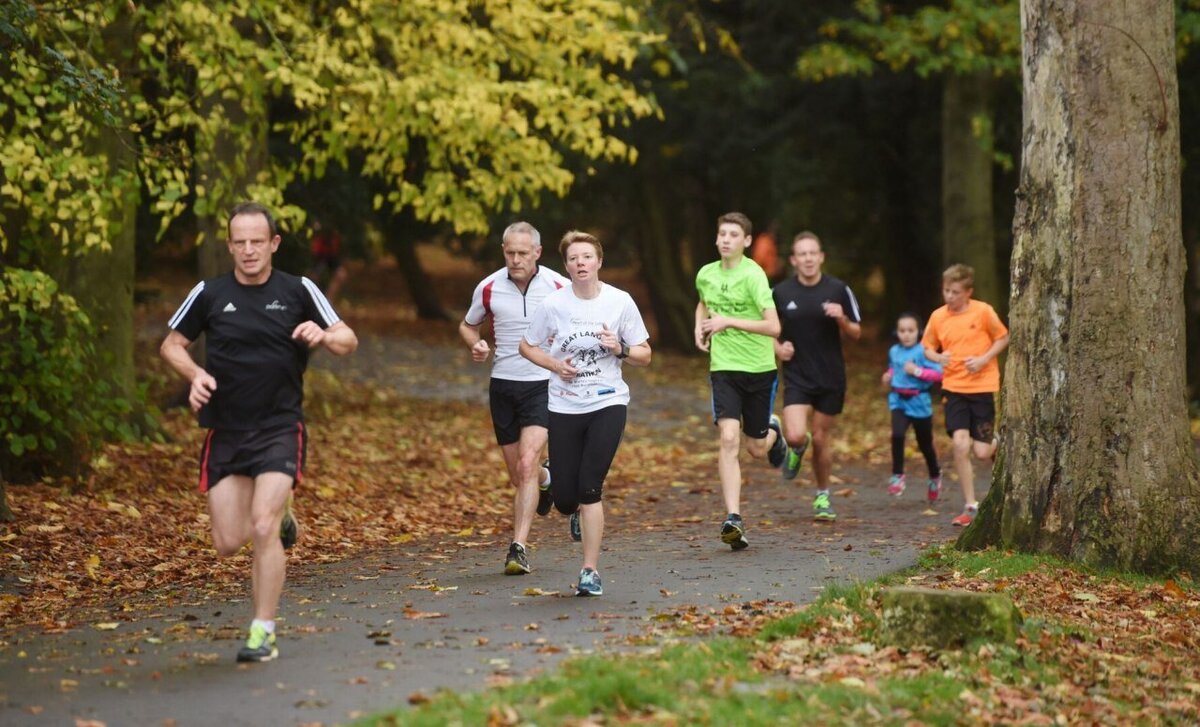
(736, 322)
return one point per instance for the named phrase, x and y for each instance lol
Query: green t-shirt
(742, 292)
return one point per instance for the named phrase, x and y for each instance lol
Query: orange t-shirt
(970, 332)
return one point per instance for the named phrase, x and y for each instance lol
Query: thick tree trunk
(399, 229)
(1097, 462)
(968, 225)
(670, 288)
(6, 513)
(102, 281)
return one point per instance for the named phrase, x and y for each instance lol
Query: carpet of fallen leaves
(1114, 652)
(383, 471)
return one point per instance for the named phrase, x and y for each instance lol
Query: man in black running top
(815, 310)
(260, 325)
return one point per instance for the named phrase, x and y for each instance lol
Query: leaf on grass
(845, 492)
(385, 665)
(538, 592)
(107, 626)
(48, 528)
(929, 511)
(1085, 596)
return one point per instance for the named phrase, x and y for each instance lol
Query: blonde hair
(575, 236)
(959, 273)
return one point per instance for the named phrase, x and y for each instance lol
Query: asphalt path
(367, 633)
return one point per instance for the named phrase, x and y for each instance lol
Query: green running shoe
(795, 456)
(259, 647)
(822, 510)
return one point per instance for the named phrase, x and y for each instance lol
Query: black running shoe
(545, 498)
(733, 532)
(517, 563)
(576, 528)
(288, 530)
(779, 449)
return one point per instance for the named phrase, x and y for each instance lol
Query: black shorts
(826, 401)
(974, 412)
(749, 397)
(516, 405)
(251, 452)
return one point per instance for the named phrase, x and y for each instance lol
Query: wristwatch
(624, 350)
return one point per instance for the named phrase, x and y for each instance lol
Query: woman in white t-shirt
(594, 329)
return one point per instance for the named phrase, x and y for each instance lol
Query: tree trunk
(968, 231)
(102, 281)
(1097, 462)
(399, 229)
(6, 513)
(670, 289)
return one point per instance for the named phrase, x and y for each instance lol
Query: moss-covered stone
(946, 619)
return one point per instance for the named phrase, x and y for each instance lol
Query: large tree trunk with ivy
(1097, 463)
(968, 230)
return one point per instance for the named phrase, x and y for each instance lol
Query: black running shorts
(516, 405)
(749, 397)
(974, 412)
(251, 452)
(826, 401)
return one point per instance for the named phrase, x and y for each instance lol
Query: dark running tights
(582, 447)
(924, 431)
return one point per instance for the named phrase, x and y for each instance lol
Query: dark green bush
(55, 406)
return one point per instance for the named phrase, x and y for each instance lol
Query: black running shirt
(249, 348)
(817, 364)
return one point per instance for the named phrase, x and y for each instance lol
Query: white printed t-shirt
(575, 325)
(498, 297)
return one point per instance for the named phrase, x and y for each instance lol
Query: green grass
(714, 682)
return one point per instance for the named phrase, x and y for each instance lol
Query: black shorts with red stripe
(251, 452)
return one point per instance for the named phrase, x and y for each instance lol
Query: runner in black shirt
(815, 310)
(260, 325)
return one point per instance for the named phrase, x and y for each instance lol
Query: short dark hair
(909, 314)
(250, 208)
(575, 236)
(736, 218)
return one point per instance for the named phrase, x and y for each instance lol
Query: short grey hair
(522, 228)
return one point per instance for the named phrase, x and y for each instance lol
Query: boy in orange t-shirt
(965, 336)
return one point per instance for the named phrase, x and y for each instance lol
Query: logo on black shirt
(275, 305)
(229, 308)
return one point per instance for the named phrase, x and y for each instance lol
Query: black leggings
(924, 431)
(582, 447)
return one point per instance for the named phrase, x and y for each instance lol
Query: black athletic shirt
(250, 352)
(817, 364)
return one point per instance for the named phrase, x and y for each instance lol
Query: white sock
(268, 625)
